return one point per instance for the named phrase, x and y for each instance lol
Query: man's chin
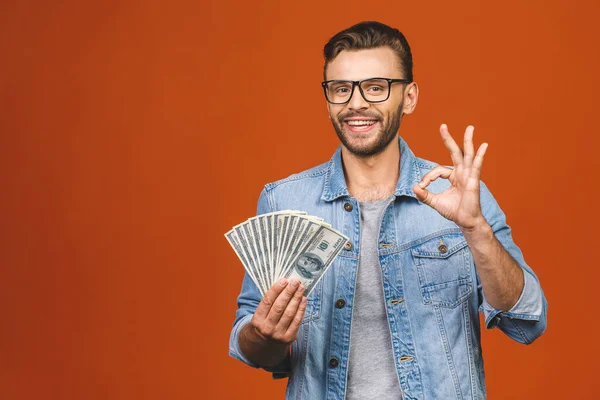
(363, 145)
(364, 148)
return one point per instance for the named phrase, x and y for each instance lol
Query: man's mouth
(360, 125)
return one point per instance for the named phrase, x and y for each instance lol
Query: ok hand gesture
(460, 202)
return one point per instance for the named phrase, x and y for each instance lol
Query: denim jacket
(432, 296)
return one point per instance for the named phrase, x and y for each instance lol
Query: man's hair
(370, 35)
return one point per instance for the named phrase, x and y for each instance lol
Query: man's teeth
(360, 123)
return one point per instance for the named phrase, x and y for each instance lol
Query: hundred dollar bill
(286, 244)
(265, 229)
(294, 236)
(281, 221)
(266, 234)
(232, 238)
(245, 239)
(287, 239)
(266, 237)
(305, 231)
(314, 259)
(262, 261)
(277, 234)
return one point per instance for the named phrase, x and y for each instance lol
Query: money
(285, 244)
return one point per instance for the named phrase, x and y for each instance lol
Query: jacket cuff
(528, 307)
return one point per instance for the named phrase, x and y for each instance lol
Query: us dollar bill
(245, 239)
(262, 261)
(265, 228)
(233, 240)
(314, 259)
(287, 239)
(305, 233)
(289, 244)
(280, 230)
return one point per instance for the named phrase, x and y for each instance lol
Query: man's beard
(386, 134)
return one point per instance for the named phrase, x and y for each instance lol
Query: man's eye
(375, 89)
(341, 90)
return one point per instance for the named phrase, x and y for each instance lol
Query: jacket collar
(335, 182)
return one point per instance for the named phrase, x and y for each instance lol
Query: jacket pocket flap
(440, 247)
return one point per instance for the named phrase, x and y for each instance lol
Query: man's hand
(275, 323)
(460, 202)
(279, 314)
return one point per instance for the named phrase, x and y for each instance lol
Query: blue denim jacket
(432, 298)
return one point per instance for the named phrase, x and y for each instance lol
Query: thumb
(423, 195)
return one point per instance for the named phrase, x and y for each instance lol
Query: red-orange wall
(133, 134)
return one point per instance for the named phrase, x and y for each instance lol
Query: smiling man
(396, 316)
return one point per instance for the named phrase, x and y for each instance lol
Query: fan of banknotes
(288, 244)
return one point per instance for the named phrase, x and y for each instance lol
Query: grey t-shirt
(371, 369)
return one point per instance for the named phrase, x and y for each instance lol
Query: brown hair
(370, 35)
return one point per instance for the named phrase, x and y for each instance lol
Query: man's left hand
(460, 202)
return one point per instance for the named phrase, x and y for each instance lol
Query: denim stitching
(304, 354)
(447, 350)
(524, 336)
(465, 310)
(270, 199)
(416, 242)
(436, 254)
(319, 170)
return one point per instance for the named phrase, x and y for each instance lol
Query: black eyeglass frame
(358, 83)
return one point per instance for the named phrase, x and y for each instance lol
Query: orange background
(133, 134)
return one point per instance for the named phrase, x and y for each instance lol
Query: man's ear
(411, 96)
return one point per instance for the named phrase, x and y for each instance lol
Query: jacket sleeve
(526, 320)
(247, 301)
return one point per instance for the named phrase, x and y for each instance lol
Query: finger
(435, 173)
(478, 161)
(468, 143)
(269, 298)
(290, 311)
(282, 301)
(295, 324)
(455, 151)
(425, 196)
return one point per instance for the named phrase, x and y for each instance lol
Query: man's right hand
(279, 314)
(265, 341)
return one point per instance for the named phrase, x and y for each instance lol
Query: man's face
(383, 118)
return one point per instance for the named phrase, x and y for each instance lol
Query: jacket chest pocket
(443, 266)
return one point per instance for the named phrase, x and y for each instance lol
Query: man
(397, 314)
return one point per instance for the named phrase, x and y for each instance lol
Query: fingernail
(294, 283)
(282, 281)
(301, 288)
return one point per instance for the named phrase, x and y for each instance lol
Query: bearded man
(396, 316)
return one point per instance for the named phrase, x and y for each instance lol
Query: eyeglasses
(373, 90)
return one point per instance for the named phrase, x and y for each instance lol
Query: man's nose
(357, 102)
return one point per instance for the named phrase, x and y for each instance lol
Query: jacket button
(340, 303)
(333, 362)
(348, 246)
(443, 248)
(348, 207)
